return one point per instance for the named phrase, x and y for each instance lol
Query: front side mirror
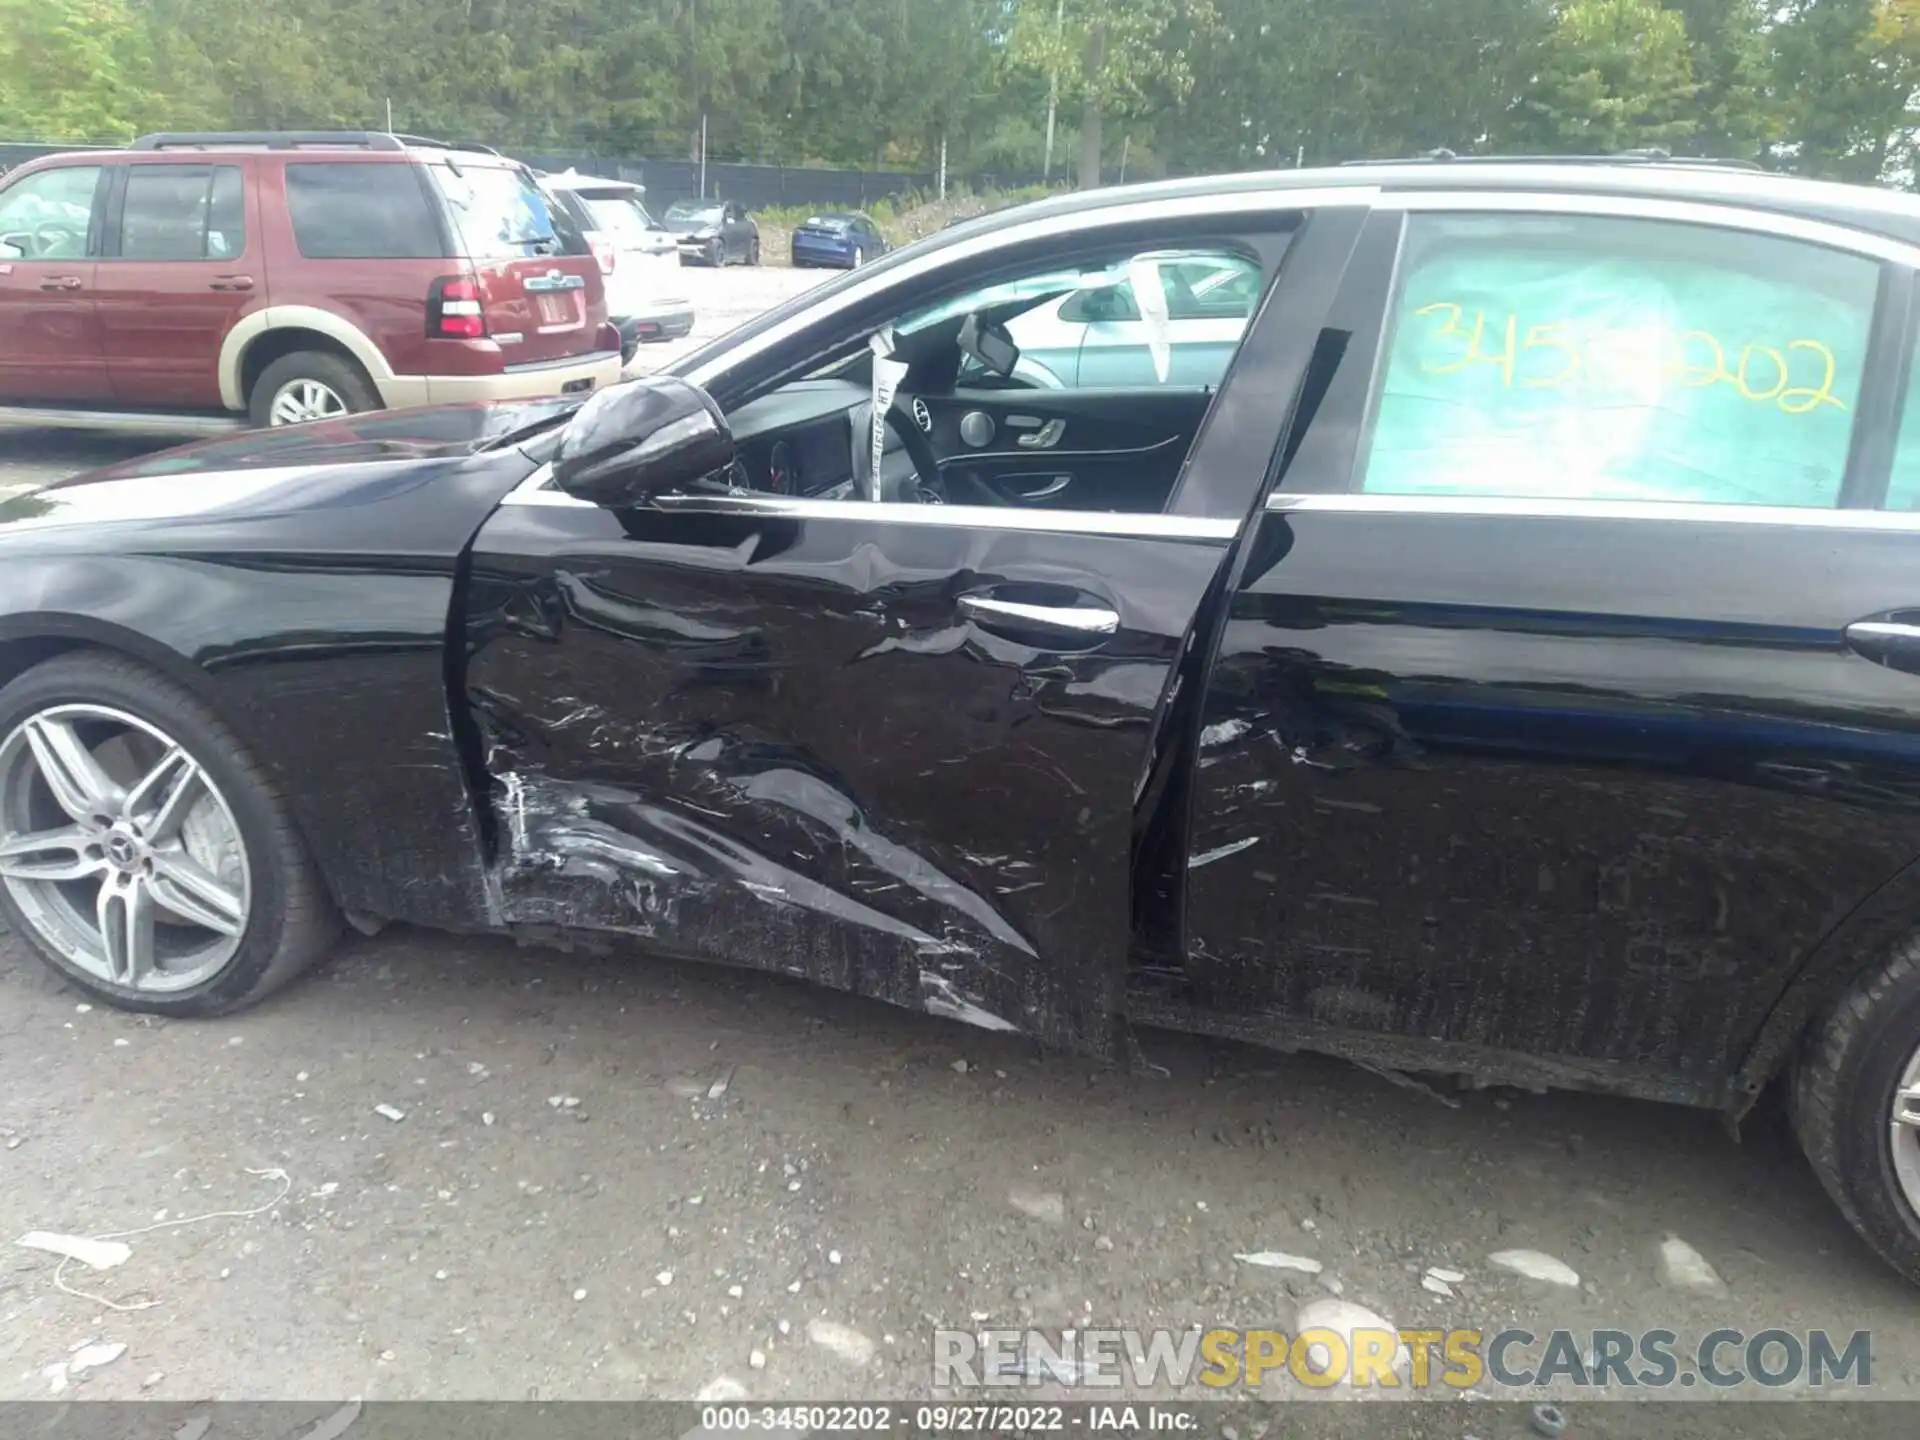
(641, 438)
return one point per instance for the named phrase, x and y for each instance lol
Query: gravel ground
(624, 1178)
(621, 1177)
(721, 300)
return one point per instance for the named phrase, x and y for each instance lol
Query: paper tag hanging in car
(887, 375)
(1151, 296)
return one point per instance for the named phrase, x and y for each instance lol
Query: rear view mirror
(641, 438)
(990, 345)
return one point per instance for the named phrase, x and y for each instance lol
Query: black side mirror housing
(635, 440)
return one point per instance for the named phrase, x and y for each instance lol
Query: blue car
(839, 239)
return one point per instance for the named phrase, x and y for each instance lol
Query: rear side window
(499, 213)
(361, 212)
(1604, 359)
(183, 212)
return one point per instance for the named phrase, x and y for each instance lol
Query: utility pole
(1126, 144)
(943, 165)
(703, 154)
(389, 114)
(1053, 88)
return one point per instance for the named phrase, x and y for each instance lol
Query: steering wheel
(924, 486)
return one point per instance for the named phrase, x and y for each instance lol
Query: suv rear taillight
(453, 310)
(604, 252)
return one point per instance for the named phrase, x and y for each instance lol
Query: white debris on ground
(840, 1340)
(1344, 1318)
(1434, 1285)
(1280, 1260)
(1536, 1265)
(1685, 1268)
(99, 1254)
(94, 1355)
(721, 1389)
(1049, 1207)
(390, 1112)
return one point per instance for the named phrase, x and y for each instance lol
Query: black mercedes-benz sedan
(1460, 616)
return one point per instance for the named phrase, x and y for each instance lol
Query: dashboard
(799, 440)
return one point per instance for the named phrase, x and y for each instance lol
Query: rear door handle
(62, 282)
(231, 282)
(1887, 642)
(988, 611)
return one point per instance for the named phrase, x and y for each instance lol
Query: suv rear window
(361, 211)
(500, 213)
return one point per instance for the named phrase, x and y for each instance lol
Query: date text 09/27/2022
(957, 1419)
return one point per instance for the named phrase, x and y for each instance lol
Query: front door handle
(1079, 620)
(231, 282)
(1892, 643)
(62, 282)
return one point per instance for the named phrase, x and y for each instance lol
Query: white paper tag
(1151, 296)
(887, 375)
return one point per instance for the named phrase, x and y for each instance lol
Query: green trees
(1824, 87)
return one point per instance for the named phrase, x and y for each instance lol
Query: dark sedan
(1504, 664)
(841, 240)
(713, 232)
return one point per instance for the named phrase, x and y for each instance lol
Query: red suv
(286, 277)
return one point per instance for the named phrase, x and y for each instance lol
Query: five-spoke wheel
(142, 852)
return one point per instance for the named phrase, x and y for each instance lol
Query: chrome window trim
(1549, 508)
(533, 491)
(1640, 207)
(1249, 203)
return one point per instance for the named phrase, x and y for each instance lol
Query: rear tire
(313, 383)
(230, 828)
(1858, 1058)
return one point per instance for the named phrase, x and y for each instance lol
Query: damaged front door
(892, 747)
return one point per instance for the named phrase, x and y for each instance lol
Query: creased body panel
(1589, 789)
(775, 742)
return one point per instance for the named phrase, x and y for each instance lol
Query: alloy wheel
(119, 850)
(300, 401)
(1905, 1139)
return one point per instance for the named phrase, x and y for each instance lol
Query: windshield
(501, 213)
(685, 211)
(620, 215)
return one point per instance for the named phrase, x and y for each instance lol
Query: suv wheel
(716, 253)
(144, 854)
(753, 251)
(309, 385)
(1856, 1106)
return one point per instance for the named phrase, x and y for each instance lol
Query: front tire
(716, 253)
(1856, 1106)
(145, 855)
(859, 258)
(753, 251)
(309, 385)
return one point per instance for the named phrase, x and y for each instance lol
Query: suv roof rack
(1646, 155)
(301, 140)
(270, 139)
